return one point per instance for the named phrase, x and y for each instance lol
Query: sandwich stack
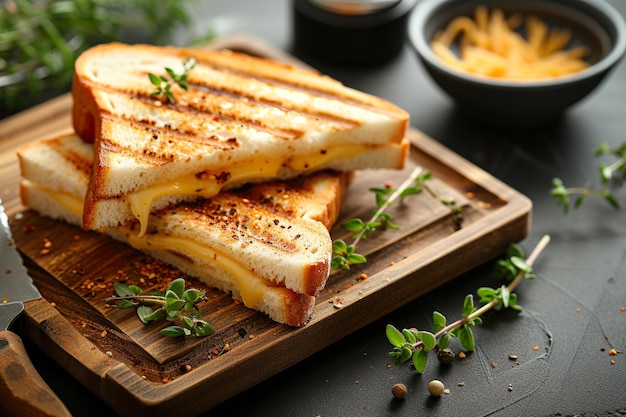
(235, 176)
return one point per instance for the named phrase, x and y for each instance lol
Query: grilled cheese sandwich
(268, 244)
(243, 119)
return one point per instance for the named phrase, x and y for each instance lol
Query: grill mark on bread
(206, 101)
(341, 123)
(158, 152)
(307, 89)
(73, 158)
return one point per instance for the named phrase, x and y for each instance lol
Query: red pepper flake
(612, 352)
(8, 271)
(622, 309)
(612, 362)
(536, 347)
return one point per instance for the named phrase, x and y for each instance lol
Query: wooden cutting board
(138, 372)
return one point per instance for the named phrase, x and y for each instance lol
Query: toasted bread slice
(243, 119)
(268, 244)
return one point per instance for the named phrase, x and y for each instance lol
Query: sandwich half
(268, 244)
(242, 119)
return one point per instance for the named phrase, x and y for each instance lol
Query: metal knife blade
(22, 390)
(17, 285)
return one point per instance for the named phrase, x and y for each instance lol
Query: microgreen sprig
(172, 303)
(415, 344)
(345, 255)
(164, 84)
(609, 173)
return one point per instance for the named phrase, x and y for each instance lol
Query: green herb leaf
(146, 314)
(174, 331)
(428, 339)
(468, 305)
(486, 294)
(411, 337)
(395, 336)
(420, 358)
(177, 286)
(439, 321)
(124, 290)
(466, 337)
(202, 328)
(126, 304)
(505, 295)
(444, 341)
(353, 225)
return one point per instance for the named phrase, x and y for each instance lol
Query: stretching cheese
(208, 186)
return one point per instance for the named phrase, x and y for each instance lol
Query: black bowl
(593, 23)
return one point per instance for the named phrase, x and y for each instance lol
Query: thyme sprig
(174, 303)
(345, 255)
(415, 344)
(164, 84)
(610, 174)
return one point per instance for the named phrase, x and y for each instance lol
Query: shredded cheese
(490, 46)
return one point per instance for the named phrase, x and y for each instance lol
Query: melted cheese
(251, 286)
(68, 201)
(141, 201)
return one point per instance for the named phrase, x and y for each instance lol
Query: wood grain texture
(24, 392)
(137, 371)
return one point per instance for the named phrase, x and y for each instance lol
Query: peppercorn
(445, 356)
(399, 391)
(435, 388)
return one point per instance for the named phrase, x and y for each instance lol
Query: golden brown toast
(243, 119)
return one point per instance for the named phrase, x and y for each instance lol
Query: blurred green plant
(40, 39)
(611, 176)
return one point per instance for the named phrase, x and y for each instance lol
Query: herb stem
(406, 184)
(541, 245)
(617, 165)
(153, 299)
